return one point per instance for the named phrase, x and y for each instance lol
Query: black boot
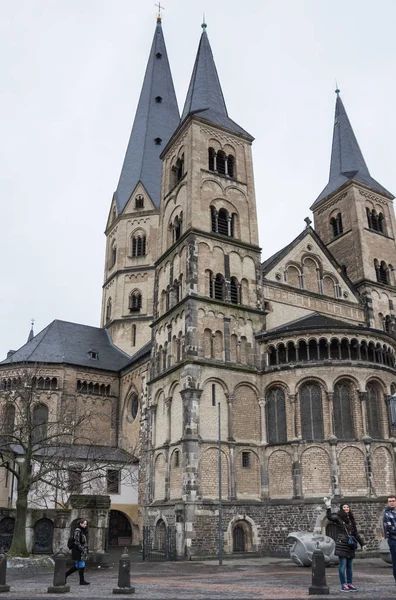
(70, 571)
(82, 580)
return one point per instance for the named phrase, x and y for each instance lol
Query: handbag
(352, 542)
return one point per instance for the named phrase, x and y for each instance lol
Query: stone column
(263, 422)
(230, 400)
(363, 407)
(334, 467)
(297, 479)
(168, 404)
(387, 433)
(331, 413)
(232, 482)
(292, 400)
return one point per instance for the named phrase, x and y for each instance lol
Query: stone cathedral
(298, 350)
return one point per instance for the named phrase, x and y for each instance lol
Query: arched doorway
(6, 533)
(43, 535)
(160, 536)
(242, 537)
(120, 530)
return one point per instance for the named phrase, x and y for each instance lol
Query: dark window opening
(113, 477)
(213, 394)
(139, 201)
(223, 222)
(211, 155)
(276, 416)
(113, 256)
(93, 354)
(158, 99)
(382, 272)
(234, 289)
(108, 310)
(311, 412)
(231, 166)
(139, 246)
(176, 460)
(134, 404)
(336, 223)
(246, 462)
(219, 287)
(135, 302)
(158, 55)
(133, 335)
(157, 141)
(221, 163)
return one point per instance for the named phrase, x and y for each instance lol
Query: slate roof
(81, 452)
(62, 342)
(152, 120)
(313, 321)
(205, 97)
(347, 162)
(146, 349)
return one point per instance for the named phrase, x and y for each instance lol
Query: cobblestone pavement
(264, 579)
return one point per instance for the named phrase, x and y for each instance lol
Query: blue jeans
(345, 564)
(392, 548)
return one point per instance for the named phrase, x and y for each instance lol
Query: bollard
(124, 575)
(318, 586)
(59, 586)
(3, 573)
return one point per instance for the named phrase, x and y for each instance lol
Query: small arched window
(223, 222)
(108, 310)
(139, 245)
(336, 223)
(234, 291)
(39, 423)
(177, 228)
(381, 271)
(113, 255)
(135, 302)
(221, 162)
(231, 166)
(212, 159)
(219, 287)
(139, 201)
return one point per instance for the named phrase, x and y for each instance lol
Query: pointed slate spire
(156, 119)
(347, 162)
(31, 332)
(205, 95)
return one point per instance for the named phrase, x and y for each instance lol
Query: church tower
(132, 227)
(354, 217)
(208, 302)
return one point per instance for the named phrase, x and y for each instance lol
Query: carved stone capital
(292, 398)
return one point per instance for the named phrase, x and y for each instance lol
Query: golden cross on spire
(159, 17)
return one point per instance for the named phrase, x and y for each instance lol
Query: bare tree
(53, 447)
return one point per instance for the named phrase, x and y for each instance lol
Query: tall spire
(347, 162)
(204, 94)
(31, 333)
(157, 117)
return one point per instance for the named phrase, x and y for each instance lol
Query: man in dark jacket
(390, 529)
(80, 550)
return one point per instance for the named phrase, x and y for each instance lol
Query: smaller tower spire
(347, 161)
(31, 332)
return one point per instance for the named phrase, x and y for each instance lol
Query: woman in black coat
(346, 526)
(80, 550)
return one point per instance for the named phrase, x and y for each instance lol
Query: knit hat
(343, 504)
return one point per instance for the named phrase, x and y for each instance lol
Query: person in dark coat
(346, 526)
(80, 550)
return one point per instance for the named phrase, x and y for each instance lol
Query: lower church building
(296, 353)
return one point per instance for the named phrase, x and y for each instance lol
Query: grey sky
(71, 72)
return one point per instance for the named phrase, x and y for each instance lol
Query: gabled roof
(62, 342)
(153, 120)
(313, 321)
(205, 97)
(347, 162)
(268, 264)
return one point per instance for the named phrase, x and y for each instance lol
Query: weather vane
(159, 10)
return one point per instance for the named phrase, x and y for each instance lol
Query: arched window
(373, 410)
(9, 421)
(214, 219)
(223, 222)
(219, 287)
(135, 301)
(231, 166)
(336, 223)
(381, 223)
(212, 159)
(311, 412)
(39, 423)
(234, 290)
(139, 201)
(382, 272)
(276, 416)
(113, 255)
(176, 229)
(108, 310)
(221, 162)
(342, 407)
(139, 245)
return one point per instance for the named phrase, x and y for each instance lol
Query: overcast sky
(71, 74)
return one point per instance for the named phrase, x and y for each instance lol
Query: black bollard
(59, 586)
(318, 586)
(124, 575)
(3, 573)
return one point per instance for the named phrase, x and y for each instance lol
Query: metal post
(220, 504)
(319, 586)
(124, 575)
